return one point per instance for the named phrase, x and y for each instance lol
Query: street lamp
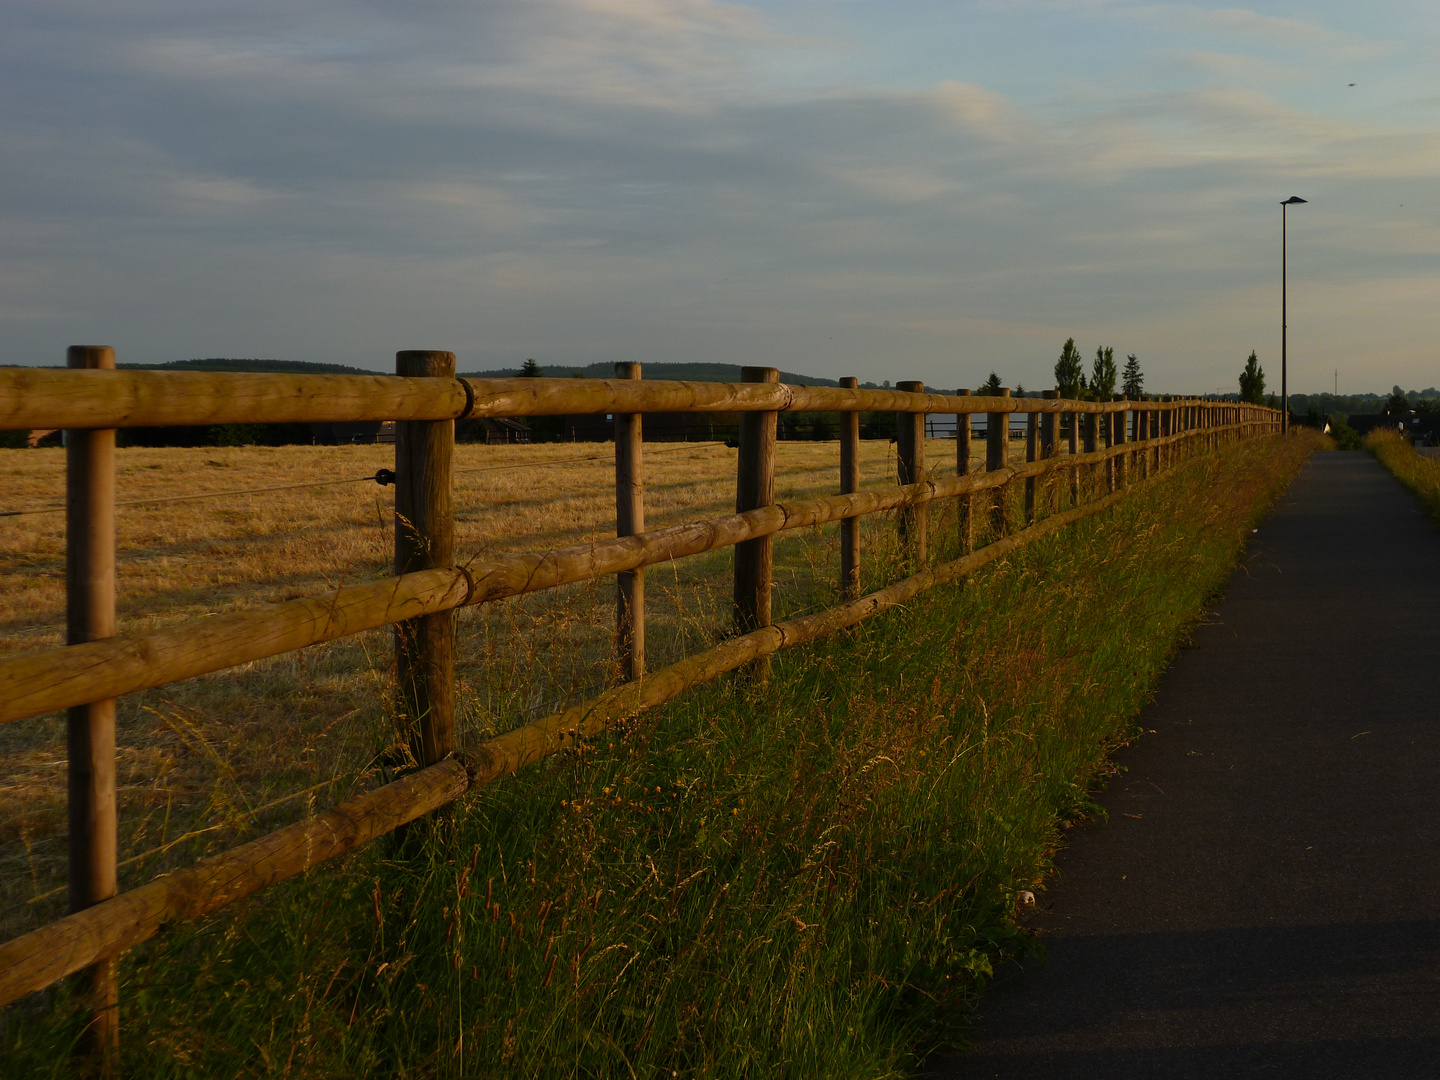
(1284, 321)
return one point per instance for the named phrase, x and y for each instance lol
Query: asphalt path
(1264, 899)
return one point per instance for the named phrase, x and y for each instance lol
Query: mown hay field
(813, 878)
(210, 761)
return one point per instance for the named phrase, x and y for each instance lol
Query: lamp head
(1293, 200)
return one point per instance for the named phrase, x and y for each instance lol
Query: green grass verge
(1420, 474)
(811, 880)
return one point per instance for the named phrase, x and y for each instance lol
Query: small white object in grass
(1025, 898)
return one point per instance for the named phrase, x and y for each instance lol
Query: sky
(894, 190)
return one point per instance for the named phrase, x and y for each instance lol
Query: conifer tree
(1068, 370)
(1103, 373)
(1252, 381)
(1133, 386)
(991, 386)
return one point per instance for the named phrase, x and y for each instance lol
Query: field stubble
(214, 759)
(808, 880)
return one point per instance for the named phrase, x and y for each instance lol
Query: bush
(1346, 437)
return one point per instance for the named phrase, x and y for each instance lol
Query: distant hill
(220, 363)
(686, 372)
(600, 370)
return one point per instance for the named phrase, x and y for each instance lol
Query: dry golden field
(209, 761)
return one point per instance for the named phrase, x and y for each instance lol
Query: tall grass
(813, 878)
(1420, 474)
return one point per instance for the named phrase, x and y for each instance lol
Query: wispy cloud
(586, 179)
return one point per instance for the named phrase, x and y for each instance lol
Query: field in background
(813, 880)
(210, 760)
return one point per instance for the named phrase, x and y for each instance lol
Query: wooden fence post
(997, 456)
(1142, 452)
(1032, 453)
(629, 520)
(90, 729)
(1142, 439)
(1164, 425)
(425, 540)
(966, 504)
(1049, 448)
(1073, 447)
(1092, 444)
(849, 484)
(754, 488)
(910, 469)
(1118, 421)
(1153, 434)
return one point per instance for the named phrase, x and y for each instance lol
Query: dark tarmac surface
(1265, 897)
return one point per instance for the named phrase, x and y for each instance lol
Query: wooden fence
(1110, 446)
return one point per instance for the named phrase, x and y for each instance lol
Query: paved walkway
(1265, 897)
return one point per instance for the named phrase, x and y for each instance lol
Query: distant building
(492, 430)
(1421, 428)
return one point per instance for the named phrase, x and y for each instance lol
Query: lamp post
(1284, 320)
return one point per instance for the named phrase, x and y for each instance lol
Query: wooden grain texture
(1049, 448)
(1089, 427)
(90, 727)
(42, 681)
(629, 521)
(966, 506)
(536, 397)
(997, 457)
(1032, 454)
(910, 469)
(754, 489)
(849, 483)
(1136, 456)
(37, 959)
(1075, 420)
(425, 540)
(1120, 422)
(56, 398)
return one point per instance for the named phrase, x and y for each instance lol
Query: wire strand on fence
(332, 483)
(193, 833)
(42, 956)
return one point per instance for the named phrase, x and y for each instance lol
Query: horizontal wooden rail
(37, 959)
(43, 956)
(424, 398)
(508, 753)
(32, 398)
(40, 682)
(549, 397)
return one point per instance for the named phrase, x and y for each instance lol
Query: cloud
(597, 179)
(216, 194)
(1246, 24)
